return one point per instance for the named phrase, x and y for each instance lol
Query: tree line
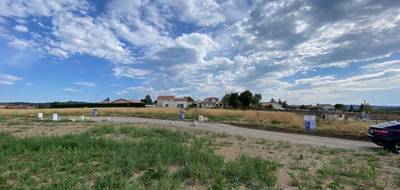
(244, 100)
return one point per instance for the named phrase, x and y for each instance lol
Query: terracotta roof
(165, 97)
(180, 99)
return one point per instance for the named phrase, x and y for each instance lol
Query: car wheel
(396, 148)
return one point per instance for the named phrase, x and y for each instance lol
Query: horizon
(305, 52)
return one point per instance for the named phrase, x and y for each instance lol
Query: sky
(303, 51)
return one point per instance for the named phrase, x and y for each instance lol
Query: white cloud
(7, 79)
(86, 35)
(209, 47)
(70, 90)
(130, 72)
(85, 84)
(20, 43)
(19, 8)
(21, 28)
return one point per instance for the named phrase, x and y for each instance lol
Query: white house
(210, 102)
(326, 107)
(171, 102)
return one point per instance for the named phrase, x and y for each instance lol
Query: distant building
(271, 105)
(326, 107)
(210, 102)
(171, 102)
(124, 101)
(339, 116)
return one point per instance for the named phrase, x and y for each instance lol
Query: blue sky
(305, 51)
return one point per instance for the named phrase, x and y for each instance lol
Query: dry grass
(252, 116)
(86, 111)
(262, 118)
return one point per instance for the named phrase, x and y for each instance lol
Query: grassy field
(85, 155)
(259, 119)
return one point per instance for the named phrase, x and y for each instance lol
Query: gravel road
(253, 133)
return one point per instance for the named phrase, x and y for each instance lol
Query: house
(326, 107)
(271, 105)
(124, 101)
(339, 116)
(319, 107)
(210, 102)
(171, 102)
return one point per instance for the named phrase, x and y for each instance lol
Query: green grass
(397, 180)
(151, 158)
(338, 173)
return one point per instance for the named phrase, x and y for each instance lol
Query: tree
(245, 98)
(234, 100)
(272, 100)
(226, 100)
(189, 99)
(255, 101)
(284, 104)
(147, 100)
(351, 108)
(340, 107)
(361, 109)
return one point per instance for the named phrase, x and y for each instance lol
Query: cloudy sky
(305, 51)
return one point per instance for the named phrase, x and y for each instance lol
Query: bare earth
(252, 133)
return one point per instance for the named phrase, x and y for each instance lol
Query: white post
(82, 118)
(201, 118)
(40, 115)
(55, 117)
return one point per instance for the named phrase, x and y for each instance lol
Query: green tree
(245, 98)
(255, 101)
(147, 100)
(234, 101)
(340, 107)
(189, 99)
(351, 108)
(226, 100)
(284, 104)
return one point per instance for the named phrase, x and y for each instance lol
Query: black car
(386, 135)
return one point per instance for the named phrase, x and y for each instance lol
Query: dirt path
(253, 133)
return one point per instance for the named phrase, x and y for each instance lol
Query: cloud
(85, 84)
(130, 72)
(279, 48)
(7, 79)
(21, 28)
(20, 43)
(40, 7)
(70, 90)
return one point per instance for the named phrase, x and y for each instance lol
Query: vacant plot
(255, 119)
(84, 155)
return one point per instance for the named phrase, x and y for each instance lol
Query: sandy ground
(252, 133)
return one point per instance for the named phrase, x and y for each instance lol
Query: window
(166, 105)
(180, 105)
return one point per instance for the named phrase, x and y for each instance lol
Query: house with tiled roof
(171, 102)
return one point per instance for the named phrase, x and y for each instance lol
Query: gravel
(252, 133)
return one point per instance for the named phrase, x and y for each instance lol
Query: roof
(180, 99)
(165, 97)
(121, 100)
(211, 98)
(206, 102)
(387, 124)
